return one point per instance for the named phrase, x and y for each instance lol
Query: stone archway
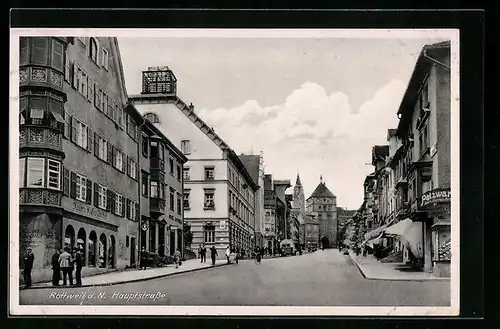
(325, 242)
(92, 253)
(69, 237)
(102, 251)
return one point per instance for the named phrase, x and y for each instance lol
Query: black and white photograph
(234, 172)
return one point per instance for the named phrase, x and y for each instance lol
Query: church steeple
(321, 179)
(297, 182)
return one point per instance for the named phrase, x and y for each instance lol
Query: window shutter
(67, 71)
(109, 196)
(96, 145)
(90, 134)
(73, 129)
(137, 214)
(89, 191)
(113, 158)
(137, 171)
(110, 154)
(98, 52)
(65, 182)
(112, 200)
(128, 166)
(123, 206)
(124, 163)
(96, 194)
(75, 75)
(73, 185)
(90, 89)
(96, 100)
(128, 209)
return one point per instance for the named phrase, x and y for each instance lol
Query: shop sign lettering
(88, 210)
(436, 196)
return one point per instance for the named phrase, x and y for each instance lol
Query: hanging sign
(144, 226)
(436, 196)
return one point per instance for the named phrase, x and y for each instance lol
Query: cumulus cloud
(313, 133)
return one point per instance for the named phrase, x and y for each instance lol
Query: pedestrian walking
(56, 269)
(66, 264)
(177, 258)
(144, 257)
(203, 254)
(213, 253)
(228, 253)
(79, 262)
(29, 259)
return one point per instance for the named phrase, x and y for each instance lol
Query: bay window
(154, 189)
(36, 171)
(54, 174)
(57, 55)
(22, 179)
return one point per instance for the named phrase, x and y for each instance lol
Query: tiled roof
(251, 163)
(322, 191)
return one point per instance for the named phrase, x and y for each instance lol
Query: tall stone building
(78, 149)
(298, 211)
(322, 204)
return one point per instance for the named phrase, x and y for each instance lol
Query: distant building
(270, 205)
(255, 166)
(282, 209)
(219, 193)
(322, 204)
(311, 228)
(298, 212)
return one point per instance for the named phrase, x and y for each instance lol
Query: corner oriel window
(36, 172)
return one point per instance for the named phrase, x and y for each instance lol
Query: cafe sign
(436, 196)
(89, 211)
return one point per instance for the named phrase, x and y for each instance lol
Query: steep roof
(252, 164)
(341, 212)
(297, 182)
(379, 152)
(322, 191)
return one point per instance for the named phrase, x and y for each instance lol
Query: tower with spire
(299, 200)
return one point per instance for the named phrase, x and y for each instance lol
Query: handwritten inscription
(88, 210)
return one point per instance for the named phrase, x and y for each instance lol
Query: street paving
(322, 278)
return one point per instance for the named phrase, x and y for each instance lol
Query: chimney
(191, 107)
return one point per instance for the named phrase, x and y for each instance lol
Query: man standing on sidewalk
(79, 262)
(65, 262)
(203, 254)
(144, 256)
(177, 257)
(29, 259)
(213, 253)
(56, 269)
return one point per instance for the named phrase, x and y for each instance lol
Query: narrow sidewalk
(373, 269)
(136, 275)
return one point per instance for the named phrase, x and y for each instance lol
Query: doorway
(325, 242)
(132, 251)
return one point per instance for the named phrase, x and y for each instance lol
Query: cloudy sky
(313, 106)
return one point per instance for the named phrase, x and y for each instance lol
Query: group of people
(65, 261)
(202, 254)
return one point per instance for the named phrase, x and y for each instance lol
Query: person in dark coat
(79, 262)
(213, 253)
(203, 254)
(29, 259)
(144, 257)
(56, 269)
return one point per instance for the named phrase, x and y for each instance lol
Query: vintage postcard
(234, 172)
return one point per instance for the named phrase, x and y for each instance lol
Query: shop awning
(376, 232)
(168, 221)
(411, 233)
(442, 222)
(373, 241)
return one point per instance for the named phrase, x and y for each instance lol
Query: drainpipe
(139, 179)
(435, 61)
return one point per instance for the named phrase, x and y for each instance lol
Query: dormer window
(151, 117)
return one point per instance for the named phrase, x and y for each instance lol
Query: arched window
(151, 117)
(93, 49)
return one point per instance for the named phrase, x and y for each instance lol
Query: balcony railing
(157, 163)
(37, 196)
(157, 205)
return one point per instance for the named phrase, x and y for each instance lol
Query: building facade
(298, 213)
(79, 184)
(311, 232)
(255, 166)
(283, 207)
(219, 193)
(162, 210)
(270, 221)
(322, 204)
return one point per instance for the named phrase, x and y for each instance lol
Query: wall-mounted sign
(158, 68)
(436, 196)
(89, 211)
